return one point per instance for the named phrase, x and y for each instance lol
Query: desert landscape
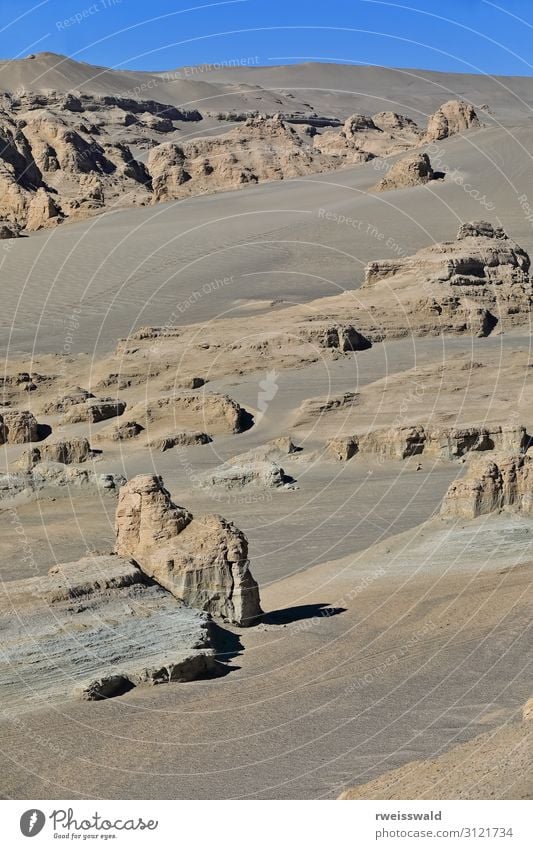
(266, 496)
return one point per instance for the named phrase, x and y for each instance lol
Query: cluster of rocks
(62, 162)
(448, 443)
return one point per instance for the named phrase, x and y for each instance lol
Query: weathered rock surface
(448, 443)
(184, 438)
(18, 426)
(48, 478)
(413, 170)
(95, 410)
(482, 274)
(66, 451)
(120, 432)
(42, 211)
(203, 561)
(259, 149)
(206, 412)
(94, 629)
(75, 396)
(454, 116)
(492, 484)
(248, 472)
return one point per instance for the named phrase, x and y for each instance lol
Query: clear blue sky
(457, 35)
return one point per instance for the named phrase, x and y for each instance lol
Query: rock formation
(448, 443)
(95, 628)
(48, 478)
(260, 149)
(203, 561)
(66, 451)
(412, 170)
(67, 156)
(165, 443)
(18, 426)
(95, 410)
(42, 211)
(74, 396)
(454, 116)
(502, 480)
(120, 432)
(482, 273)
(188, 410)
(252, 472)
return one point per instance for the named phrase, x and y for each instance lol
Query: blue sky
(457, 35)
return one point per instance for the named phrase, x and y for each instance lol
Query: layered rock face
(203, 561)
(454, 116)
(444, 442)
(95, 628)
(413, 170)
(491, 484)
(482, 273)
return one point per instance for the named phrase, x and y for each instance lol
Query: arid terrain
(266, 491)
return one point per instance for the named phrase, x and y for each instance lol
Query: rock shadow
(301, 612)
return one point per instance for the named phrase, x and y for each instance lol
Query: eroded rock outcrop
(55, 479)
(182, 439)
(101, 629)
(201, 560)
(448, 443)
(43, 212)
(491, 484)
(248, 471)
(66, 451)
(18, 426)
(481, 278)
(454, 116)
(95, 410)
(413, 170)
(259, 149)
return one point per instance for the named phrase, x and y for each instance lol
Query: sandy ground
(391, 637)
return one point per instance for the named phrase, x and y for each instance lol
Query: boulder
(412, 170)
(18, 426)
(55, 478)
(203, 561)
(454, 116)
